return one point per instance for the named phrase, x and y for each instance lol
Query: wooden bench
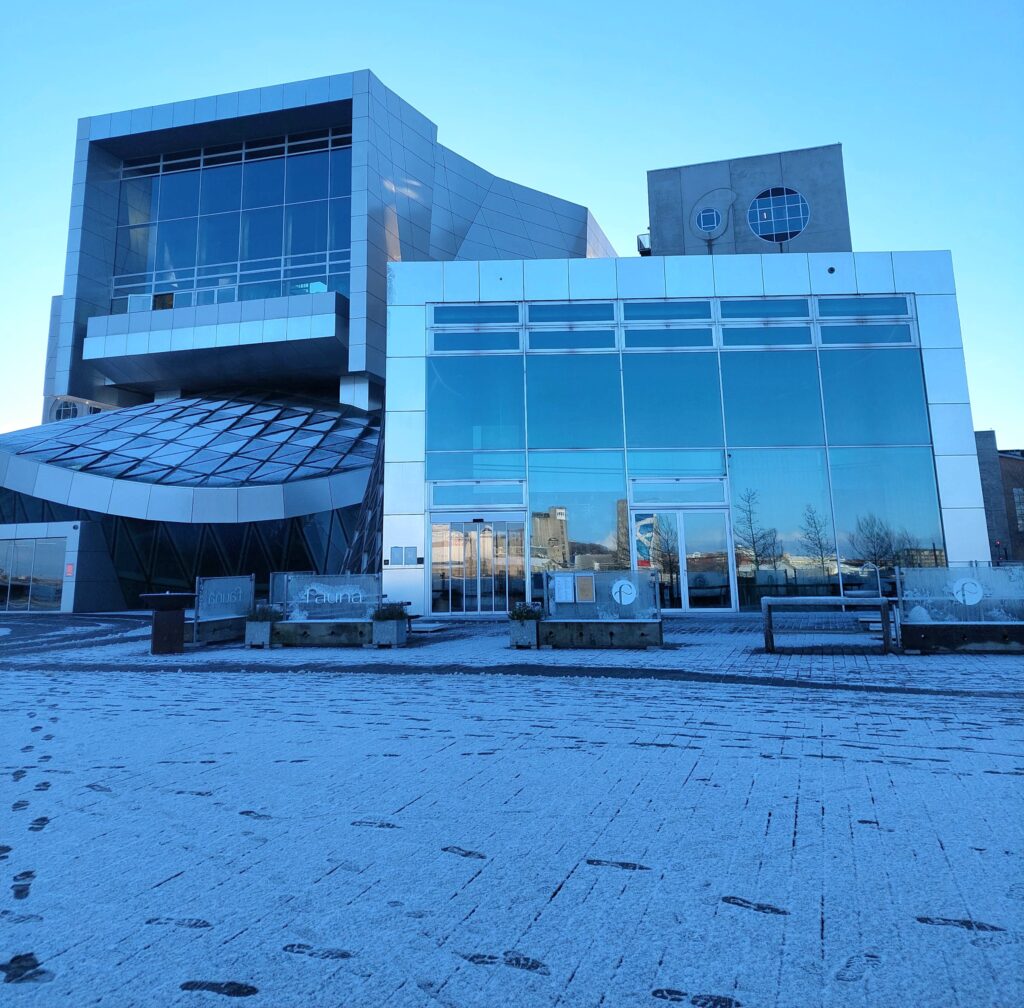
(844, 602)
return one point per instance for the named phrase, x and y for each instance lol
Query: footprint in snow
(19, 805)
(462, 852)
(315, 953)
(22, 884)
(965, 922)
(17, 918)
(765, 908)
(38, 825)
(625, 865)
(255, 815)
(857, 965)
(185, 922)
(24, 968)
(374, 822)
(43, 786)
(102, 789)
(229, 988)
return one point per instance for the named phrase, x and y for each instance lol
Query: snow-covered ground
(178, 837)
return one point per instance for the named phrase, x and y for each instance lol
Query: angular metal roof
(220, 442)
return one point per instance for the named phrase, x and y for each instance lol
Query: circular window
(778, 214)
(65, 411)
(708, 220)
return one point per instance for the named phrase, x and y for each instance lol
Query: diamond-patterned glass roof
(209, 442)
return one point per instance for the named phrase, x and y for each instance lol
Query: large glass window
(307, 177)
(139, 200)
(476, 465)
(672, 400)
(221, 189)
(179, 194)
(574, 401)
(675, 463)
(578, 512)
(341, 171)
(176, 244)
(772, 399)
(136, 249)
(475, 403)
(305, 228)
(47, 575)
(263, 183)
(782, 523)
(218, 239)
(874, 397)
(886, 506)
(262, 233)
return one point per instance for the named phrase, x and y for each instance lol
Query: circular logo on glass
(778, 214)
(624, 592)
(967, 591)
(708, 220)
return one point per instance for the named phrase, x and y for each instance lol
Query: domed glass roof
(209, 442)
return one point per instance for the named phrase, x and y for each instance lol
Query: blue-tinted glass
(772, 398)
(477, 314)
(574, 401)
(571, 312)
(874, 397)
(264, 289)
(338, 282)
(179, 194)
(766, 336)
(896, 333)
(475, 465)
(672, 400)
(176, 244)
(675, 463)
(306, 177)
(575, 502)
(136, 249)
(220, 189)
(886, 506)
(861, 307)
(218, 239)
(139, 199)
(680, 492)
(647, 311)
(485, 339)
(341, 171)
(766, 308)
(340, 223)
(475, 403)
(263, 183)
(47, 575)
(305, 227)
(572, 339)
(476, 494)
(262, 233)
(641, 338)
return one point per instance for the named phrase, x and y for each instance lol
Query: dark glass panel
(341, 171)
(861, 307)
(21, 574)
(766, 308)
(47, 575)
(574, 401)
(263, 183)
(306, 177)
(305, 227)
(6, 548)
(772, 399)
(221, 189)
(766, 336)
(136, 250)
(179, 194)
(176, 244)
(480, 314)
(644, 338)
(672, 400)
(572, 339)
(340, 215)
(262, 233)
(139, 200)
(874, 397)
(218, 239)
(648, 311)
(475, 403)
(484, 339)
(894, 333)
(572, 312)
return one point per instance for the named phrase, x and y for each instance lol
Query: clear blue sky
(577, 99)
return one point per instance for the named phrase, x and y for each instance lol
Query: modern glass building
(252, 279)
(743, 425)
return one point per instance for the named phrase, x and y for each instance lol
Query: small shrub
(390, 611)
(523, 611)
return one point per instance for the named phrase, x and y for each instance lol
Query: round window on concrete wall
(778, 214)
(65, 410)
(708, 220)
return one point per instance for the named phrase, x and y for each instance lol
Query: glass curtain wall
(31, 574)
(818, 427)
(264, 219)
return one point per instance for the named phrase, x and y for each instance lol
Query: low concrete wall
(610, 634)
(215, 631)
(993, 637)
(325, 634)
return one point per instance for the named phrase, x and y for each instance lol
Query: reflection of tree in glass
(874, 540)
(816, 538)
(759, 543)
(665, 549)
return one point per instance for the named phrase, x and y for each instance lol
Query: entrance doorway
(691, 552)
(477, 565)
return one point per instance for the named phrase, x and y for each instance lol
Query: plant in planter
(390, 625)
(522, 627)
(260, 624)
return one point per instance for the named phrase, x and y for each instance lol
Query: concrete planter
(258, 634)
(325, 633)
(991, 638)
(390, 633)
(522, 633)
(637, 634)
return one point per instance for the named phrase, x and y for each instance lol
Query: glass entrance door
(689, 549)
(477, 565)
